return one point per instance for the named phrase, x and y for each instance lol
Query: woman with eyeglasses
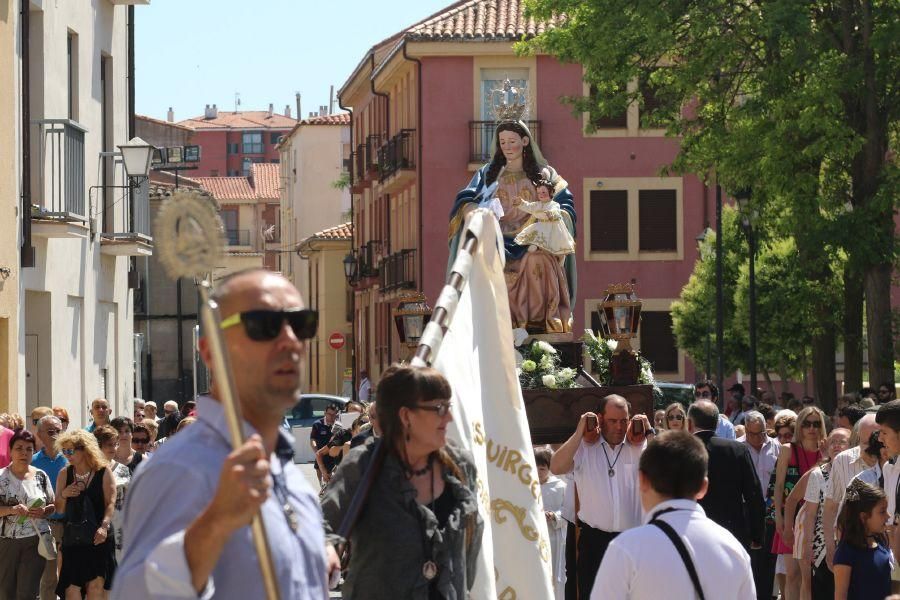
(87, 496)
(675, 417)
(797, 457)
(419, 534)
(26, 499)
(110, 441)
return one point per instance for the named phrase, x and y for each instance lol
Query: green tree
(795, 98)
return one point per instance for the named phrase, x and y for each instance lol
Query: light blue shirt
(169, 492)
(725, 429)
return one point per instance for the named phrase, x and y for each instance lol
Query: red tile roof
(336, 119)
(247, 119)
(161, 122)
(228, 188)
(266, 180)
(479, 20)
(264, 183)
(342, 232)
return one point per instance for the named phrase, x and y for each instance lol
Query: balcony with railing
(58, 183)
(237, 237)
(398, 271)
(397, 159)
(130, 223)
(481, 139)
(367, 266)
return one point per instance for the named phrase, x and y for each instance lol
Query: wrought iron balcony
(130, 224)
(398, 271)
(367, 260)
(237, 237)
(481, 138)
(397, 154)
(58, 182)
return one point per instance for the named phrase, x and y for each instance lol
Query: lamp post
(705, 252)
(743, 200)
(620, 317)
(411, 316)
(137, 154)
(350, 266)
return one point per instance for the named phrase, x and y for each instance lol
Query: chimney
(287, 110)
(312, 114)
(211, 112)
(271, 109)
(299, 112)
(323, 110)
(170, 116)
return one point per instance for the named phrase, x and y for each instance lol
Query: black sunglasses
(265, 325)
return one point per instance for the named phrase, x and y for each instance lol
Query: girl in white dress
(547, 230)
(553, 493)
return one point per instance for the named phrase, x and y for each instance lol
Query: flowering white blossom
(545, 362)
(546, 348)
(565, 374)
(549, 381)
(528, 366)
(646, 374)
(613, 344)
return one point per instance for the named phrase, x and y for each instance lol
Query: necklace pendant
(292, 520)
(429, 570)
(612, 472)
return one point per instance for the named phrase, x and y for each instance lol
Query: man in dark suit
(734, 499)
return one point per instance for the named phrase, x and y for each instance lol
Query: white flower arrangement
(540, 368)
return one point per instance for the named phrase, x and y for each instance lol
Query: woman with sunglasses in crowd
(110, 440)
(675, 417)
(26, 499)
(419, 534)
(796, 458)
(87, 496)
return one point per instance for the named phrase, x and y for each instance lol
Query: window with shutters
(658, 341)
(609, 220)
(631, 122)
(657, 210)
(633, 218)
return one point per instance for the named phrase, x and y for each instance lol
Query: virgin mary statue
(541, 285)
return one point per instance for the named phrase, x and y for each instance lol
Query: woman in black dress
(85, 485)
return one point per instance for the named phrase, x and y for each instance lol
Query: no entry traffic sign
(336, 340)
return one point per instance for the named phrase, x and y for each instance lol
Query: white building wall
(80, 306)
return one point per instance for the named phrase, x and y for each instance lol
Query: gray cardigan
(387, 545)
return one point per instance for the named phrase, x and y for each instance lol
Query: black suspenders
(682, 549)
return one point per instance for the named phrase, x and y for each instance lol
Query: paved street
(310, 474)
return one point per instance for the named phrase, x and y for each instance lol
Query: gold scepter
(190, 239)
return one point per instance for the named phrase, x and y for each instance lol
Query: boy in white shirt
(553, 495)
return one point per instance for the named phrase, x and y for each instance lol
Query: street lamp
(350, 266)
(620, 317)
(411, 317)
(743, 201)
(706, 252)
(136, 155)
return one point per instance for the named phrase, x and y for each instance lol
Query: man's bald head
(864, 429)
(234, 291)
(703, 415)
(613, 400)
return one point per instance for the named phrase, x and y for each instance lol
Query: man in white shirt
(845, 467)
(605, 466)
(645, 563)
(888, 419)
(764, 453)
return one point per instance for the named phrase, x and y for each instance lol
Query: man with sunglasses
(201, 544)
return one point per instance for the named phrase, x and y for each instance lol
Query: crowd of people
(62, 496)
(751, 502)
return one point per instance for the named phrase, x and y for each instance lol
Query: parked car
(299, 420)
(675, 392)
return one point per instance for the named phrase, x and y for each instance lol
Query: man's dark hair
(187, 407)
(704, 415)
(123, 423)
(875, 445)
(767, 411)
(542, 456)
(854, 412)
(713, 390)
(601, 408)
(889, 414)
(141, 428)
(675, 464)
(334, 406)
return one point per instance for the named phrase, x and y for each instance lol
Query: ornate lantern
(411, 317)
(350, 266)
(620, 317)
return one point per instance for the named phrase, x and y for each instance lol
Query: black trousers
(592, 545)
(762, 562)
(571, 570)
(822, 582)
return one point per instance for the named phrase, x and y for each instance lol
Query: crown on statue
(509, 103)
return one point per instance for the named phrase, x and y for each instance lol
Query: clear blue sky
(190, 53)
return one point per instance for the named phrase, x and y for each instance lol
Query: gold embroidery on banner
(519, 513)
(483, 496)
(508, 593)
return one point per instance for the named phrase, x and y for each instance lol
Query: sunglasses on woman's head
(265, 325)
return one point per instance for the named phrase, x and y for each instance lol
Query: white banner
(489, 419)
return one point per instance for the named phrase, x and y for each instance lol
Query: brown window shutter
(658, 341)
(657, 226)
(609, 221)
(619, 121)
